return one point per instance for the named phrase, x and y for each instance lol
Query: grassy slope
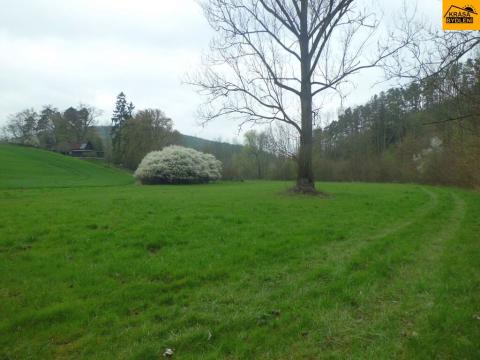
(23, 167)
(239, 270)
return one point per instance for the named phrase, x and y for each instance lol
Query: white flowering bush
(428, 156)
(178, 165)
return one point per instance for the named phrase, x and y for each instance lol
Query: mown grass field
(234, 270)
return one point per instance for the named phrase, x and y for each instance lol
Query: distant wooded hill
(188, 141)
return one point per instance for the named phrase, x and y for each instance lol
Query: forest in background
(428, 132)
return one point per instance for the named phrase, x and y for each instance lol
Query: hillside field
(25, 167)
(94, 266)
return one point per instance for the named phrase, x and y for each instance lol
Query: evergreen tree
(123, 111)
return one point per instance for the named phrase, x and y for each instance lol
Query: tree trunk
(305, 181)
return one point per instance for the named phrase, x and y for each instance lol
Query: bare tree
(21, 127)
(282, 142)
(429, 51)
(432, 56)
(256, 145)
(271, 59)
(81, 120)
(161, 126)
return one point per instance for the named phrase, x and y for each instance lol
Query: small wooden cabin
(85, 150)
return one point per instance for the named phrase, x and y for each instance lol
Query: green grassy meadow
(25, 167)
(94, 266)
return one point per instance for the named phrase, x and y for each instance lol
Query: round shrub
(178, 165)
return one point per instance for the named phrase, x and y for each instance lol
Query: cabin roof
(82, 147)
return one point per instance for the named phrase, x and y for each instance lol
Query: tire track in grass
(427, 294)
(402, 225)
(344, 249)
(349, 289)
(338, 253)
(327, 277)
(408, 296)
(341, 251)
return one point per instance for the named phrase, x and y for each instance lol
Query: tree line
(133, 134)
(428, 131)
(52, 129)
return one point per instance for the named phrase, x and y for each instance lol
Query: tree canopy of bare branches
(271, 59)
(435, 57)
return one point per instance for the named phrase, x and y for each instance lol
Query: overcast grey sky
(63, 52)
